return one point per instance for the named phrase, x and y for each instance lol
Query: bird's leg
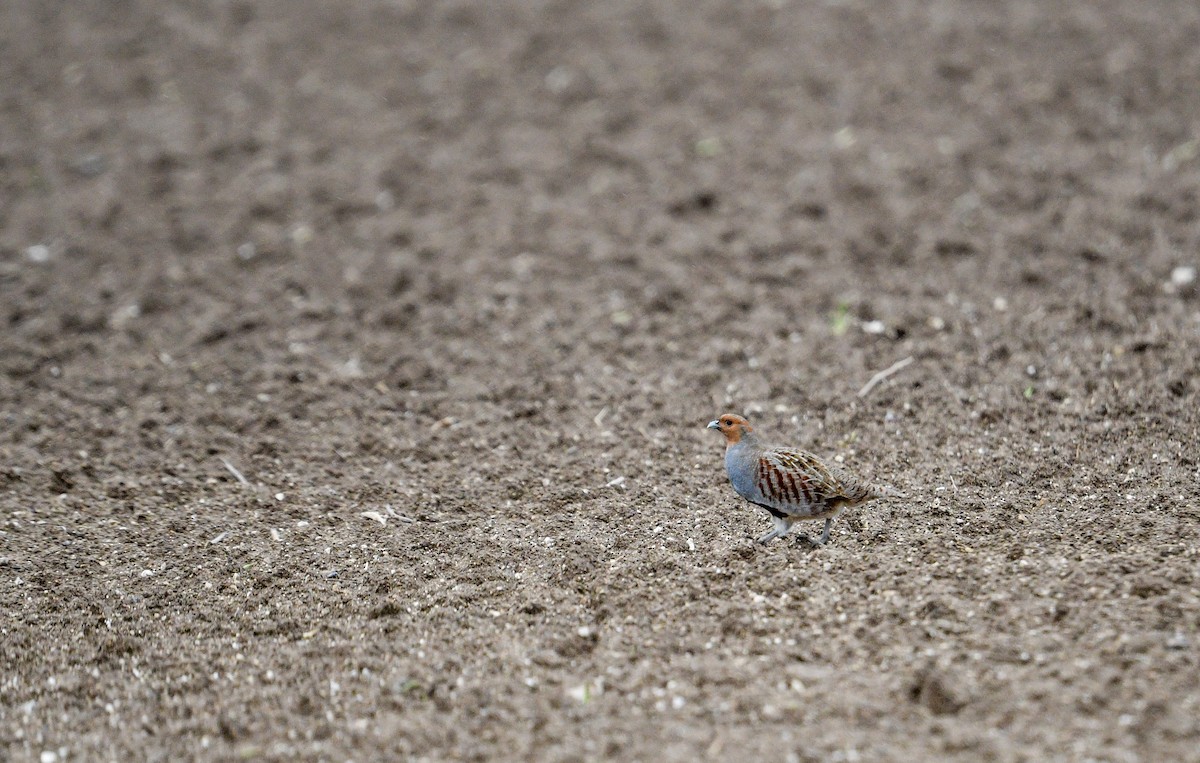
(780, 530)
(825, 534)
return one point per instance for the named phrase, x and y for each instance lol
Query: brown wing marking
(776, 481)
(811, 481)
(792, 490)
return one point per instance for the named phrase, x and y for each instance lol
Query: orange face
(732, 426)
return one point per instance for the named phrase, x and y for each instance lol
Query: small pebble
(1183, 275)
(89, 165)
(844, 138)
(302, 234)
(579, 693)
(559, 79)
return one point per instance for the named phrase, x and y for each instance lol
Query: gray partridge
(789, 483)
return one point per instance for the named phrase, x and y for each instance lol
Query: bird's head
(733, 426)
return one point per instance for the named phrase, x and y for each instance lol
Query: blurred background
(355, 359)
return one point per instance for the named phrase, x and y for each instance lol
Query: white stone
(1183, 275)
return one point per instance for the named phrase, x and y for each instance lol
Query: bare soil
(355, 359)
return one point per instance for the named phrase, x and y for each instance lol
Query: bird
(791, 484)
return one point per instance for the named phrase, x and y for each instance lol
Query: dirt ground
(355, 359)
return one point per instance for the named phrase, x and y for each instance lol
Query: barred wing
(797, 483)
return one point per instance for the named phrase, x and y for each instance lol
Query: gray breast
(740, 462)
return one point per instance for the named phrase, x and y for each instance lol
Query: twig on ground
(396, 515)
(885, 373)
(381, 519)
(233, 470)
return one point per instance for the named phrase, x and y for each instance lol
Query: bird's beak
(713, 425)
